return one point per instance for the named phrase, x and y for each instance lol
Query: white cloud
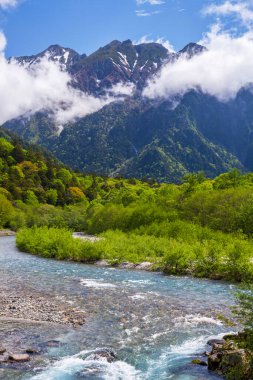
(242, 10)
(151, 2)
(160, 40)
(43, 87)
(143, 13)
(221, 71)
(7, 3)
(122, 89)
(3, 42)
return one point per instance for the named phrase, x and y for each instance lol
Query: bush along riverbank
(173, 247)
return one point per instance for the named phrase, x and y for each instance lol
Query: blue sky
(85, 25)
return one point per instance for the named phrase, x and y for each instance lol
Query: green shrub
(55, 243)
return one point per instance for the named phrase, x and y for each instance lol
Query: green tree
(6, 210)
(245, 311)
(52, 196)
(5, 147)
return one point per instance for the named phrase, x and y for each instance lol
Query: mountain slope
(137, 137)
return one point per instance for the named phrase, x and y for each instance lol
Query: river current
(155, 324)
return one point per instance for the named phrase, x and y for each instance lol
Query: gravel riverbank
(27, 305)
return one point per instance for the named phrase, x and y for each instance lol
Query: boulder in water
(226, 359)
(199, 362)
(104, 355)
(53, 343)
(3, 359)
(32, 351)
(211, 342)
(214, 361)
(2, 350)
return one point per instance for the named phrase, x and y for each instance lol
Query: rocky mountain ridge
(116, 62)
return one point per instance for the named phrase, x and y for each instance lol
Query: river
(155, 324)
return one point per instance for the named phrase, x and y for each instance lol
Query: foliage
(6, 210)
(55, 243)
(174, 249)
(245, 312)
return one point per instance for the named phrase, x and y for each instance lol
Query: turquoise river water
(155, 324)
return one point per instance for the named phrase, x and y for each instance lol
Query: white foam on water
(190, 346)
(69, 366)
(131, 331)
(146, 282)
(149, 318)
(196, 319)
(97, 284)
(121, 371)
(138, 296)
(195, 345)
(157, 335)
(61, 369)
(173, 353)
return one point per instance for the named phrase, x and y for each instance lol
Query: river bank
(28, 304)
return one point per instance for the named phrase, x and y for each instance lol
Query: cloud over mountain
(44, 87)
(221, 70)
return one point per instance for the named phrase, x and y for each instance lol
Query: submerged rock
(2, 350)
(199, 362)
(53, 343)
(3, 359)
(19, 358)
(32, 351)
(104, 355)
(211, 342)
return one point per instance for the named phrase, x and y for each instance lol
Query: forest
(201, 226)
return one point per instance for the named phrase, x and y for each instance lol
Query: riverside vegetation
(202, 227)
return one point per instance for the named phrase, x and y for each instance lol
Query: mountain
(139, 137)
(64, 56)
(119, 62)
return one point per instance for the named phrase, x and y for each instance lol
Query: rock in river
(199, 362)
(211, 342)
(105, 355)
(19, 358)
(2, 350)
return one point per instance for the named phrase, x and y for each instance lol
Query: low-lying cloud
(45, 87)
(222, 70)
